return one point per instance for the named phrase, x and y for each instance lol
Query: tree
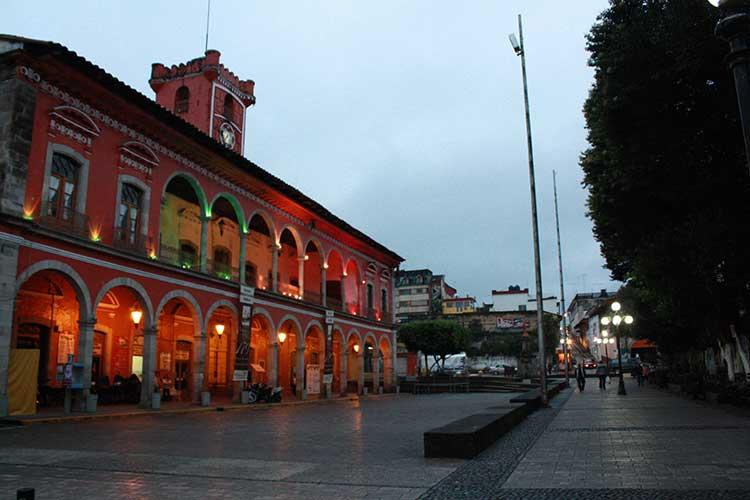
(437, 338)
(669, 193)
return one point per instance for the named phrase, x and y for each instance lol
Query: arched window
(63, 186)
(129, 213)
(251, 274)
(188, 255)
(383, 301)
(182, 100)
(229, 107)
(222, 261)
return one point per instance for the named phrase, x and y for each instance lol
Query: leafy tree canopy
(438, 338)
(669, 192)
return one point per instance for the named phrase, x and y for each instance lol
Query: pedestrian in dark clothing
(581, 377)
(293, 383)
(601, 372)
(639, 374)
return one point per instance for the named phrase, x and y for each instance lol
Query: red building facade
(115, 208)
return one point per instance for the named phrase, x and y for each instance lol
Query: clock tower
(208, 95)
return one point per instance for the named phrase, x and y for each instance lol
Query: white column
(149, 366)
(361, 365)
(273, 364)
(323, 287)
(243, 258)
(300, 369)
(199, 366)
(205, 223)
(344, 368)
(343, 293)
(86, 352)
(275, 269)
(375, 370)
(301, 274)
(394, 358)
(8, 271)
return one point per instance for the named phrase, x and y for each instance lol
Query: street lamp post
(734, 28)
(519, 50)
(616, 320)
(219, 328)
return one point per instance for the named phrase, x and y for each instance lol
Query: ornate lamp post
(219, 329)
(734, 28)
(616, 320)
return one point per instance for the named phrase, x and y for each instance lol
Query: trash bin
(205, 398)
(156, 401)
(245, 397)
(91, 401)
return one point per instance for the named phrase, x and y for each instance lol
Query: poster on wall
(165, 361)
(313, 379)
(507, 323)
(65, 346)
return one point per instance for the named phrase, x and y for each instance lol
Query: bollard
(25, 494)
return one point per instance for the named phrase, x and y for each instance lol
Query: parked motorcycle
(262, 393)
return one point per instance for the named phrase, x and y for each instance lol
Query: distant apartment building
(459, 305)
(420, 294)
(516, 298)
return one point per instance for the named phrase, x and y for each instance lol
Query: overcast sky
(404, 118)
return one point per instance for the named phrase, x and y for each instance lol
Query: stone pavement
(342, 450)
(598, 445)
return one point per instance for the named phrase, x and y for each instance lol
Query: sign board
(165, 361)
(239, 375)
(507, 323)
(247, 294)
(328, 378)
(313, 379)
(329, 317)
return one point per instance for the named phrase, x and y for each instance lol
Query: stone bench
(467, 437)
(534, 396)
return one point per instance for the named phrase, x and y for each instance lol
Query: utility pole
(562, 286)
(208, 19)
(519, 49)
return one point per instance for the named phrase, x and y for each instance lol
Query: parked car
(590, 364)
(628, 364)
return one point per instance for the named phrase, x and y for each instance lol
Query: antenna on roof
(208, 18)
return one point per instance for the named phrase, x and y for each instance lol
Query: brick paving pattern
(340, 450)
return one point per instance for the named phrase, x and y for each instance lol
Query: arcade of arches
(126, 343)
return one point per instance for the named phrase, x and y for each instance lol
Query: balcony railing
(133, 243)
(222, 270)
(313, 298)
(334, 303)
(65, 220)
(289, 290)
(174, 256)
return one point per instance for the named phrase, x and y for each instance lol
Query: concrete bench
(534, 396)
(467, 437)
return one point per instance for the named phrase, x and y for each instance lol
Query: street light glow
(136, 316)
(617, 319)
(628, 320)
(605, 321)
(616, 306)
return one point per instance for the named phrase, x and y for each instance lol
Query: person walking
(601, 372)
(639, 374)
(581, 377)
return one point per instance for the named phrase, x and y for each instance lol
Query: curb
(21, 422)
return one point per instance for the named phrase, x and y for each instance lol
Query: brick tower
(206, 94)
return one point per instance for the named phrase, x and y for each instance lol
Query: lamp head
(219, 327)
(617, 319)
(514, 43)
(615, 306)
(605, 321)
(136, 315)
(282, 337)
(605, 333)
(356, 347)
(629, 320)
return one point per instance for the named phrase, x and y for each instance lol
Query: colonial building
(459, 305)
(129, 228)
(420, 294)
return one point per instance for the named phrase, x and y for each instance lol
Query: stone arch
(371, 336)
(214, 307)
(194, 184)
(330, 253)
(239, 213)
(259, 311)
(356, 266)
(266, 218)
(354, 333)
(295, 235)
(84, 295)
(314, 323)
(315, 241)
(298, 326)
(187, 297)
(136, 287)
(385, 339)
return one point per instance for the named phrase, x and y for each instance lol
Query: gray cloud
(404, 118)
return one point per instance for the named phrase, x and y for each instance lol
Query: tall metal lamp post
(734, 28)
(519, 50)
(616, 320)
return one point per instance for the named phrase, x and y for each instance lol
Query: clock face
(226, 135)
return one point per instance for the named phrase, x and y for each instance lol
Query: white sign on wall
(313, 379)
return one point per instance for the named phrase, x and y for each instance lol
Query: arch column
(199, 365)
(361, 365)
(149, 366)
(343, 367)
(300, 369)
(343, 292)
(376, 369)
(243, 255)
(86, 353)
(323, 287)
(8, 271)
(301, 273)
(205, 222)
(394, 358)
(275, 268)
(273, 364)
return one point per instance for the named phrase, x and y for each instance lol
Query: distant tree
(436, 338)
(669, 192)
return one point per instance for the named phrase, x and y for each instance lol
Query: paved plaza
(647, 445)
